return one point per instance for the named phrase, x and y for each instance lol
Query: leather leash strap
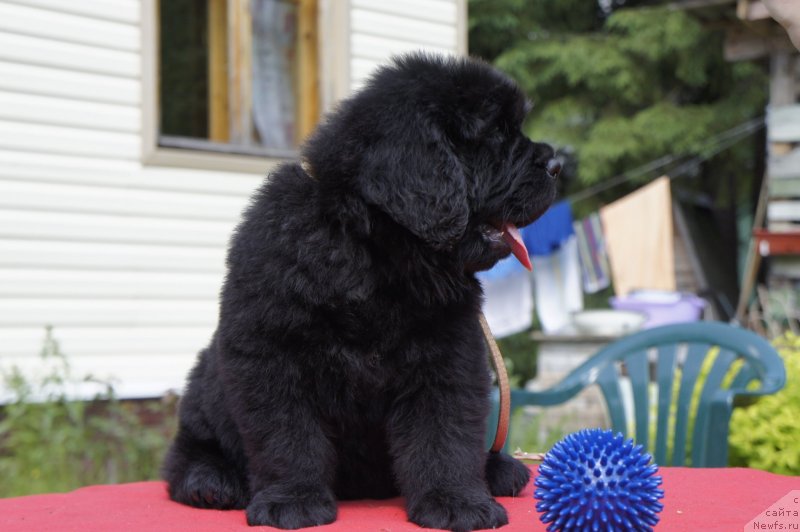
(502, 382)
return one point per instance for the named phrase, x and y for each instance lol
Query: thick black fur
(349, 361)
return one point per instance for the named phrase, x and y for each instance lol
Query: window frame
(331, 84)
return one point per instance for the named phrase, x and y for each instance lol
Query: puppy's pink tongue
(513, 238)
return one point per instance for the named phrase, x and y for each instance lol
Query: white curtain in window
(274, 48)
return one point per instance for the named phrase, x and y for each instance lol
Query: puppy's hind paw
(313, 508)
(506, 476)
(457, 512)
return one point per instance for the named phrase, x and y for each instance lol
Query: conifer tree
(618, 83)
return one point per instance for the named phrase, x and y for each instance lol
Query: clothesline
(571, 257)
(712, 147)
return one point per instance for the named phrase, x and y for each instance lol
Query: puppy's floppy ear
(420, 184)
(473, 125)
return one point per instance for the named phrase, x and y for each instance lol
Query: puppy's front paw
(506, 476)
(312, 508)
(206, 486)
(459, 512)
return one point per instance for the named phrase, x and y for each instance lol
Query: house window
(237, 76)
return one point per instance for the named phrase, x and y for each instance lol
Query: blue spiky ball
(597, 480)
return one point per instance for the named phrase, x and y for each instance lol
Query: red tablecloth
(695, 499)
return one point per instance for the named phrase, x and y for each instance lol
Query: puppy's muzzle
(553, 168)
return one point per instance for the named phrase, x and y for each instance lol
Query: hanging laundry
(639, 239)
(592, 254)
(555, 290)
(557, 286)
(553, 245)
(552, 229)
(508, 297)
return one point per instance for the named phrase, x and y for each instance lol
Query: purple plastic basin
(661, 307)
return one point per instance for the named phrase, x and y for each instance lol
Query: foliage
(766, 435)
(50, 441)
(519, 352)
(615, 85)
(529, 434)
(776, 310)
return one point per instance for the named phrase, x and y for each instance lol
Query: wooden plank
(117, 10)
(218, 70)
(783, 123)
(785, 267)
(83, 341)
(78, 57)
(780, 149)
(783, 211)
(173, 364)
(441, 11)
(125, 174)
(336, 54)
(782, 76)
(47, 110)
(419, 31)
(60, 26)
(752, 10)
(24, 312)
(17, 253)
(784, 227)
(689, 5)
(777, 242)
(754, 41)
(33, 225)
(119, 201)
(240, 47)
(785, 166)
(131, 375)
(377, 48)
(308, 69)
(60, 83)
(62, 283)
(753, 259)
(785, 188)
(46, 138)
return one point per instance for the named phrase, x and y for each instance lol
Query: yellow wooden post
(240, 72)
(218, 121)
(307, 68)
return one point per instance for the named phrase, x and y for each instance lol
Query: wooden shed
(751, 34)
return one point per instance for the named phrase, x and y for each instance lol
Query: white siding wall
(381, 28)
(125, 261)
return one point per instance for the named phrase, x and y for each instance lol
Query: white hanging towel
(508, 298)
(558, 287)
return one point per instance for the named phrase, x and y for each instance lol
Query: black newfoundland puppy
(349, 361)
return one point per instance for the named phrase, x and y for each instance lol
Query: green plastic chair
(670, 356)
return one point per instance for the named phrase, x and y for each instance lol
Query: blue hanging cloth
(546, 235)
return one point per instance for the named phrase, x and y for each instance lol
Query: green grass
(50, 442)
(529, 435)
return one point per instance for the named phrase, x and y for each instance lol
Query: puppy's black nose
(553, 167)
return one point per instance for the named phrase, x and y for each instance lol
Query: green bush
(520, 353)
(766, 434)
(49, 441)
